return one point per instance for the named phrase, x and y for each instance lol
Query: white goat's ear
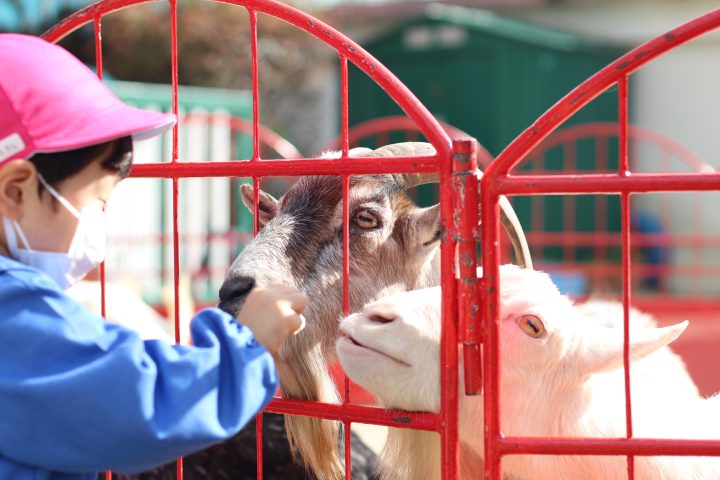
(426, 223)
(604, 350)
(268, 204)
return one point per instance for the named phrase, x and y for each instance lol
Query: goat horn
(508, 218)
(514, 230)
(511, 224)
(408, 149)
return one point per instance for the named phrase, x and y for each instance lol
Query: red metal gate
(445, 423)
(497, 181)
(504, 178)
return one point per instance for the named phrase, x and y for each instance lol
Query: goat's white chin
(354, 351)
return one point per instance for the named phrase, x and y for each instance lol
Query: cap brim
(119, 122)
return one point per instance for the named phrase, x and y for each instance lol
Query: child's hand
(272, 313)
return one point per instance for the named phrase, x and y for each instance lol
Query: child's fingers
(292, 296)
(298, 302)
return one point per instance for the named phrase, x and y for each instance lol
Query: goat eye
(532, 326)
(365, 219)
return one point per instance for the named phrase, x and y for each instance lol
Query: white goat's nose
(381, 311)
(381, 317)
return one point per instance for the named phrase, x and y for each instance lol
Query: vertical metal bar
(346, 243)
(448, 333)
(174, 74)
(625, 206)
(346, 299)
(348, 447)
(258, 444)
(176, 256)
(176, 278)
(174, 159)
(252, 15)
(255, 84)
(465, 188)
(345, 148)
(624, 170)
(99, 70)
(344, 109)
(491, 354)
(256, 205)
(259, 416)
(98, 47)
(175, 189)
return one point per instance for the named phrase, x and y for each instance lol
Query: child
(78, 395)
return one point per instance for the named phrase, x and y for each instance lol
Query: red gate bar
(465, 186)
(606, 446)
(294, 167)
(604, 183)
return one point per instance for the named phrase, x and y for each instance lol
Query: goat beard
(312, 440)
(304, 362)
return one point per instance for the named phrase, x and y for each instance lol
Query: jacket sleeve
(78, 394)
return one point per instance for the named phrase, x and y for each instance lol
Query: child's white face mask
(87, 249)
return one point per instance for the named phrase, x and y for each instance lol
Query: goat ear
(268, 204)
(604, 350)
(426, 222)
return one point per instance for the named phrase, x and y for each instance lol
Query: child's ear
(17, 179)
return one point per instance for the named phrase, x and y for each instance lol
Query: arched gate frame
(662, 154)
(499, 180)
(459, 155)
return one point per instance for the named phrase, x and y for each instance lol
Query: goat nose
(235, 287)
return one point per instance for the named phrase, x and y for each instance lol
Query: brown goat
(393, 248)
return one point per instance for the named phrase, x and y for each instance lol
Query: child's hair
(58, 166)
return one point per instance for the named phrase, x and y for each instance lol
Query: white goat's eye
(365, 219)
(532, 326)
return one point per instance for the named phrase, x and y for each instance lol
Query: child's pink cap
(51, 102)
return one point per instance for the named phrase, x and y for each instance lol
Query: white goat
(562, 376)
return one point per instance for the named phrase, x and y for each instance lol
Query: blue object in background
(654, 255)
(569, 282)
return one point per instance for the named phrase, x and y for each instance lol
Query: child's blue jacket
(79, 395)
